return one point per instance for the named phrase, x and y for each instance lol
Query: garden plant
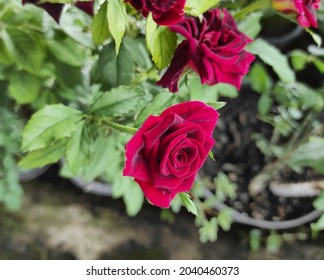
(213, 105)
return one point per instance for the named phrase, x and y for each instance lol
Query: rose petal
(136, 165)
(151, 136)
(178, 63)
(196, 112)
(157, 196)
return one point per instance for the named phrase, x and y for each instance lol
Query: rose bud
(302, 11)
(213, 47)
(167, 151)
(164, 12)
(55, 9)
(87, 7)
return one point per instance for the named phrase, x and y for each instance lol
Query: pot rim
(265, 224)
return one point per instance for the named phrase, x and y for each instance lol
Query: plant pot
(95, 187)
(31, 174)
(264, 224)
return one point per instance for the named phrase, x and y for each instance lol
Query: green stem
(121, 128)
(101, 120)
(255, 6)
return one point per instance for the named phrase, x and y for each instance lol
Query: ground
(59, 221)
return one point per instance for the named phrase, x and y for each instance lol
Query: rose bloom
(304, 11)
(164, 12)
(55, 9)
(167, 151)
(213, 47)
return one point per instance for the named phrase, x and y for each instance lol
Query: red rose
(214, 48)
(167, 151)
(164, 12)
(55, 9)
(301, 10)
(87, 7)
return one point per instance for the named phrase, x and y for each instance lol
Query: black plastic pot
(28, 175)
(263, 224)
(95, 187)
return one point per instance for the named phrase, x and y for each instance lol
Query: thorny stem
(259, 182)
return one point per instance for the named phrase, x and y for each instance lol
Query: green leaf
(260, 79)
(104, 154)
(188, 203)
(117, 21)
(264, 104)
(202, 92)
(274, 242)
(158, 103)
(319, 202)
(78, 148)
(198, 7)
(100, 29)
(226, 90)
(209, 230)
(6, 48)
(120, 101)
(210, 154)
(24, 87)
(225, 219)
(13, 199)
(44, 156)
(224, 187)
(112, 71)
(133, 198)
(176, 204)
(319, 225)
(28, 52)
(255, 239)
(319, 64)
(161, 42)
(67, 51)
(216, 105)
(51, 123)
(251, 25)
(139, 52)
(310, 154)
(298, 94)
(299, 59)
(317, 38)
(272, 56)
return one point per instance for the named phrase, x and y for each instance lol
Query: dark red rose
(87, 7)
(304, 11)
(167, 151)
(55, 9)
(164, 12)
(214, 48)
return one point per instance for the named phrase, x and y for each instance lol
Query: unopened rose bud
(302, 11)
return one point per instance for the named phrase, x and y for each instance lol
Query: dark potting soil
(237, 155)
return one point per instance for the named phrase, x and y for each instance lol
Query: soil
(237, 155)
(59, 221)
